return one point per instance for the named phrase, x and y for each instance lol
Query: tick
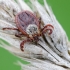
(29, 25)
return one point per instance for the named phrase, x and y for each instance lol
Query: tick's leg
(48, 27)
(18, 34)
(10, 28)
(22, 44)
(39, 20)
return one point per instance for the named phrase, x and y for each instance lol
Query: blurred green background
(61, 9)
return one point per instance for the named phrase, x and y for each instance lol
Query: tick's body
(29, 25)
(24, 20)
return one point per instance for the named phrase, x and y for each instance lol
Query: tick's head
(32, 30)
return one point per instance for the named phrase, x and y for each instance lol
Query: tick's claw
(50, 31)
(21, 49)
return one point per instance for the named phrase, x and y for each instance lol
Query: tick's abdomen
(24, 19)
(27, 18)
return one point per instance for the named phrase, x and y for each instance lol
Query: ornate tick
(30, 26)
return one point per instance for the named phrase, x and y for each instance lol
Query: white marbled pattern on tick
(32, 29)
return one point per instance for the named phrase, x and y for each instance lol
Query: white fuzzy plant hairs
(52, 51)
